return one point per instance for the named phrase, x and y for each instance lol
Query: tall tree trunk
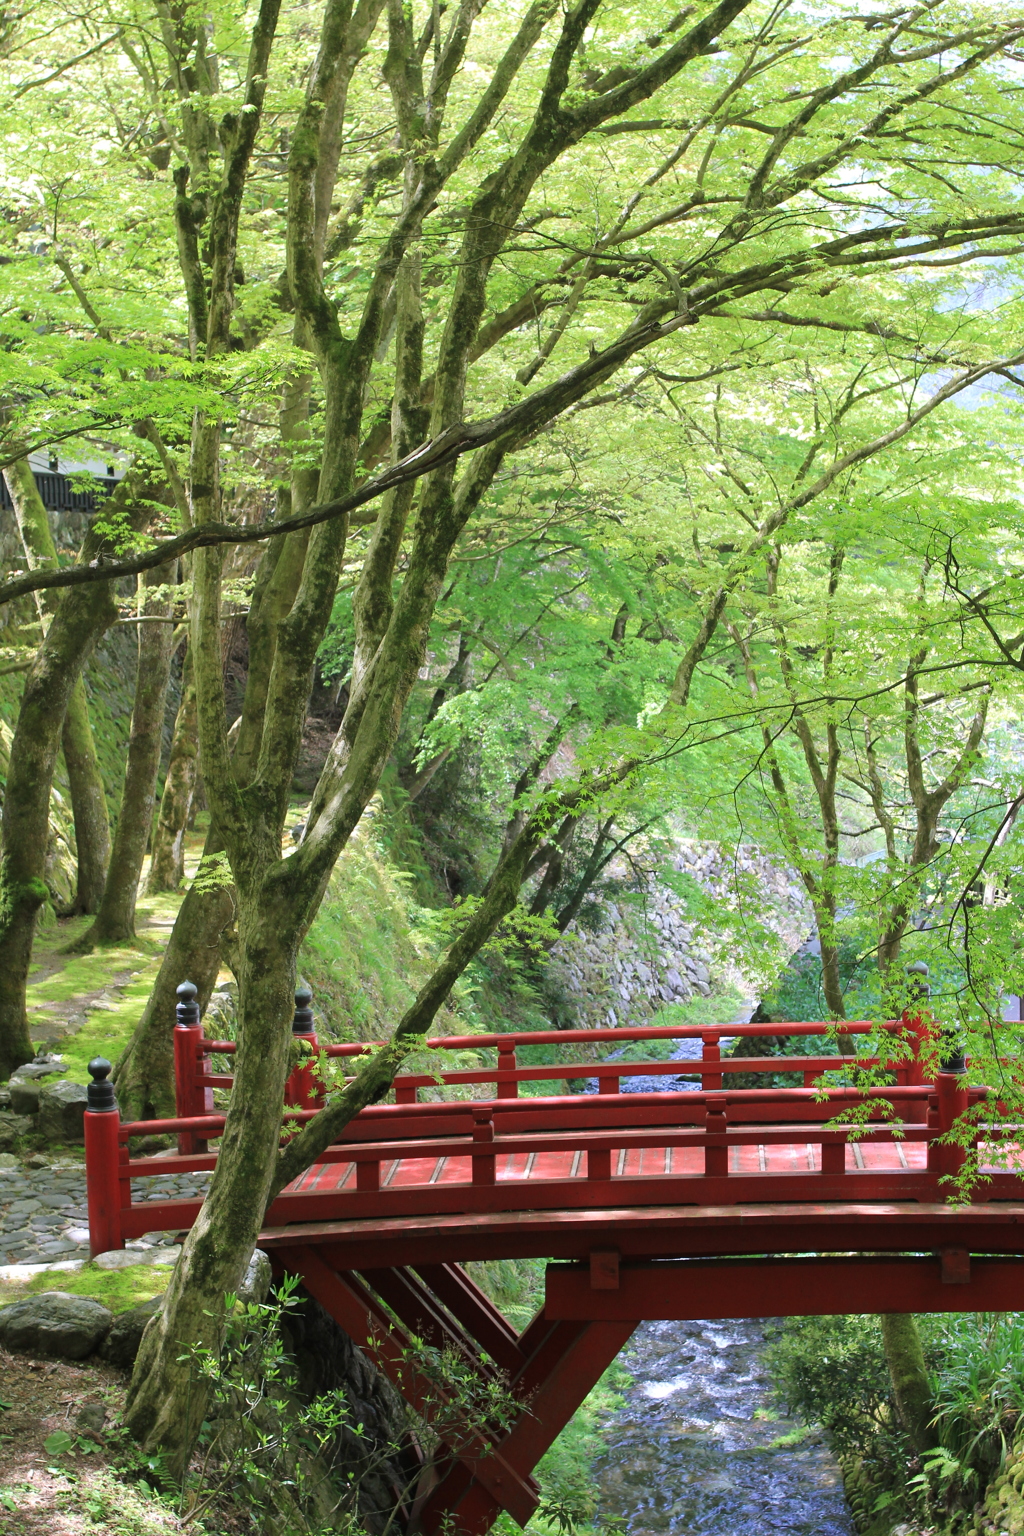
(88, 803)
(911, 1387)
(88, 800)
(144, 1073)
(115, 921)
(164, 1408)
(81, 618)
(167, 865)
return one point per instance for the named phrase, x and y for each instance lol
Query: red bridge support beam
(568, 1362)
(952, 1281)
(549, 1370)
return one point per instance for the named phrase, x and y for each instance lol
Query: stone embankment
(1002, 1513)
(650, 950)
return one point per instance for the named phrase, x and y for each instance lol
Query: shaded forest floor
(58, 1478)
(81, 1006)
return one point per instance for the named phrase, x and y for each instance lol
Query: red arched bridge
(700, 1201)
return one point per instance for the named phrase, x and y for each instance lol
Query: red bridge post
(483, 1131)
(102, 1160)
(952, 1100)
(716, 1124)
(507, 1063)
(304, 1090)
(711, 1059)
(192, 1099)
(919, 1026)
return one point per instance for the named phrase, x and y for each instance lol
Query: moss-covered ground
(107, 988)
(118, 1289)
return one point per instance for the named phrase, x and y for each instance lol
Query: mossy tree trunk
(904, 1355)
(88, 798)
(115, 920)
(88, 803)
(144, 1073)
(80, 618)
(167, 864)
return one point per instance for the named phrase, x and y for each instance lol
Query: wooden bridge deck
(422, 1173)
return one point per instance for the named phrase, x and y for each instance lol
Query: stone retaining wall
(651, 950)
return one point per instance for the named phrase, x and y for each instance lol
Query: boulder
(24, 1095)
(54, 1324)
(43, 1066)
(125, 1258)
(91, 1418)
(121, 1344)
(256, 1280)
(61, 1111)
(221, 1015)
(11, 1127)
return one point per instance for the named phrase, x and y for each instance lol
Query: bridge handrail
(526, 1037)
(554, 1104)
(683, 1069)
(196, 1080)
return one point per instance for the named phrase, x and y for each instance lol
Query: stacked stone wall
(649, 950)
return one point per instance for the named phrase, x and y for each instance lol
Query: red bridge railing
(458, 1151)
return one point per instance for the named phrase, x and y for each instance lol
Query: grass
(117, 1289)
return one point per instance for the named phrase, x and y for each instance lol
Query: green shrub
(832, 1371)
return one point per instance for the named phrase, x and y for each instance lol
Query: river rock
(11, 1127)
(121, 1344)
(61, 1111)
(54, 1324)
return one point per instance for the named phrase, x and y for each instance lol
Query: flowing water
(691, 1452)
(687, 1455)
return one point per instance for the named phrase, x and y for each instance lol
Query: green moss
(366, 956)
(61, 982)
(118, 1289)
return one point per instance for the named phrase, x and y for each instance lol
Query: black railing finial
(917, 974)
(187, 1011)
(303, 1023)
(100, 1093)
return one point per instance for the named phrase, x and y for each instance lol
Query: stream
(688, 1453)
